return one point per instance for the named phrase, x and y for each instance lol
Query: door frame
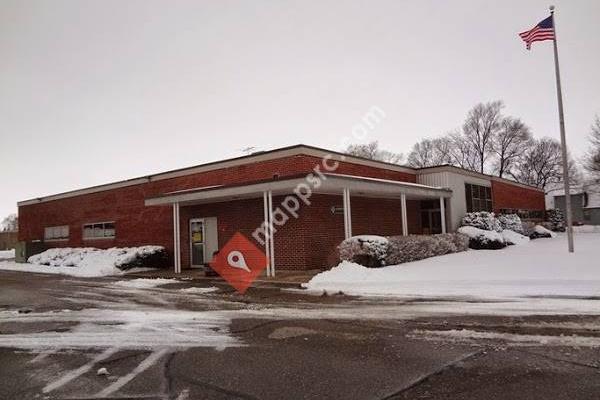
(192, 265)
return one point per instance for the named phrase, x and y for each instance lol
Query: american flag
(542, 31)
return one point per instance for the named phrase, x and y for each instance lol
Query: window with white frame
(56, 232)
(99, 230)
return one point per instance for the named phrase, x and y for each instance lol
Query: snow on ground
(587, 229)
(513, 237)
(145, 283)
(199, 290)
(82, 262)
(139, 328)
(467, 335)
(542, 267)
(543, 231)
(98, 270)
(7, 254)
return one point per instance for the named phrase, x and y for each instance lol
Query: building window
(56, 232)
(99, 230)
(479, 198)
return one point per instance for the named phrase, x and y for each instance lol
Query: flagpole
(563, 140)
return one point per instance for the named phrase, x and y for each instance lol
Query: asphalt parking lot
(72, 338)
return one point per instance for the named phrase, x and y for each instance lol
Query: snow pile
(512, 237)
(7, 254)
(87, 261)
(89, 257)
(543, 232)
(144, 283)
(541, 268)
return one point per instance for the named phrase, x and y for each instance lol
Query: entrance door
(436, 221)
(431, 221)
(197, 239)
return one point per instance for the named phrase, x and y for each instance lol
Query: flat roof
(230, 162)
(258, 157)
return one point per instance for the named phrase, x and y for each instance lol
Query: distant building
(585, 202)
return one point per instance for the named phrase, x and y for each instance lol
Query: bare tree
(430, 152)
(509, 143)
(462, 153)
(479, 129)
(372, 151)
(541, 165)
(10, 223)
(591, 160)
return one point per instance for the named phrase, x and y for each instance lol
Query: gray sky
(96, 91)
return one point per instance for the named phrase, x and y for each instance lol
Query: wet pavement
(57, 333)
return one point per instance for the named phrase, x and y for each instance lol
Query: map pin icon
(235, 259)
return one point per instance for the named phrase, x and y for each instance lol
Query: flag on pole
(542, 31)
(546, 30)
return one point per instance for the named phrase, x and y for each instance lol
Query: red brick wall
(310, 241)
(505, 195)
(370, 216)
(137, 224)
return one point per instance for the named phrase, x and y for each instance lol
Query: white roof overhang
(329, 184)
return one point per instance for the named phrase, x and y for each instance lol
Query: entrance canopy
(301, 185)
(330, 184)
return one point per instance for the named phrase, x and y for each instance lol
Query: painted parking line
(76, 373)
(144, 365)
(42, 356)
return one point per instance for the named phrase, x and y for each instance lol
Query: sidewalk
(282, 278)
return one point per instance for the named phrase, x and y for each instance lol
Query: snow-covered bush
(555, 220)
(482, 220)
(367, 250)
(483, 239)
(409, 248)
(457, 241)
(511, 222)
(92, 258)
(461, 241)
(541, 232)
(402, 249)
(512, 237)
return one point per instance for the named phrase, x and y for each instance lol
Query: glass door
(197, 242)
(436, 221)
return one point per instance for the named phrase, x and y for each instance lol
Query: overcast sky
(96, 91)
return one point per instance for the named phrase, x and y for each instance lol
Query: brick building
(313, 198)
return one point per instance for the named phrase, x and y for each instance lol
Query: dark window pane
(469, 198)
(109, 229)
